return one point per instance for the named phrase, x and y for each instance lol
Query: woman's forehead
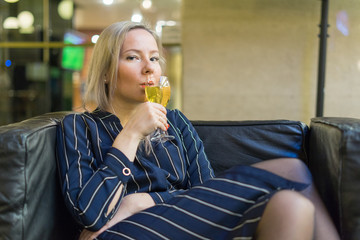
(139, 39)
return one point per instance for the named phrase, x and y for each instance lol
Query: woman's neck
(123, 112)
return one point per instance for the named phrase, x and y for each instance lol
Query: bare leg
(296, 170)
(283, 208)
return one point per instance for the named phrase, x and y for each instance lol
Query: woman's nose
(148, 67)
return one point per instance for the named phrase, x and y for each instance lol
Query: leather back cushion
(228, 143)
(31, 206)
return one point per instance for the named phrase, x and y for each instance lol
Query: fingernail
(167, 127)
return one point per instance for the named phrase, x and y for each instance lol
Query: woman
(116, 190)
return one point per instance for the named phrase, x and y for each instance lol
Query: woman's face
(139, 60)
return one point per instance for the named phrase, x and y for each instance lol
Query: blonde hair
(103, 67)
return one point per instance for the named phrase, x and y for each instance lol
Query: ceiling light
(11, 23)
(26, 19)
(136, 17)
(11, 1)
(94, 38)
(146, 4)
(170, 23)
(66, 9)
(108, 2)
(158, 27)
(160, 24)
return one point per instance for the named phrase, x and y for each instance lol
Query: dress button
(126, 171)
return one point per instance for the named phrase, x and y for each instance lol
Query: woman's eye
(131, 58)
(154, 59)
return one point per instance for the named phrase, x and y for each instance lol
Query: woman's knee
(291, 168)
(297, 169)
(287, 213)
(292, 202)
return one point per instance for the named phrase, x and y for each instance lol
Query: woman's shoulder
(76, 115)
(177, 117)
(80, 118)
(173, 114)
(90, 115)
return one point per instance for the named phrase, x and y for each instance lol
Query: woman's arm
(131, 204)
(90, 178)
(93, 185)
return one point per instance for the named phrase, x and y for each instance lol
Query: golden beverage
(153, 94)
(165, 95)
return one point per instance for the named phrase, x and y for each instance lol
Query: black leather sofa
(31, 206)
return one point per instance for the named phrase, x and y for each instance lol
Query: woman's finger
(147, 118)
(160, 119)
(158, 106)
(85, 235)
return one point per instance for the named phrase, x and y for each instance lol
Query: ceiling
(94, 15)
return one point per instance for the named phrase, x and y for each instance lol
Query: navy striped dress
(190, 202)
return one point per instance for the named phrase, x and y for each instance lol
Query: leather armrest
(31, 205)
(334, 160)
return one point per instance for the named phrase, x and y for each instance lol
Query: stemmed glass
(159, 92)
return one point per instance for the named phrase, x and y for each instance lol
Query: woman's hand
(130, 205)
(146, 118)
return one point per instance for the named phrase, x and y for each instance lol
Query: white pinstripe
(146, 228)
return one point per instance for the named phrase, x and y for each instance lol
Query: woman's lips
(145, 84)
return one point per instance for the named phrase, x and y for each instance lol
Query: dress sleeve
(89, 179)
(199, 167)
